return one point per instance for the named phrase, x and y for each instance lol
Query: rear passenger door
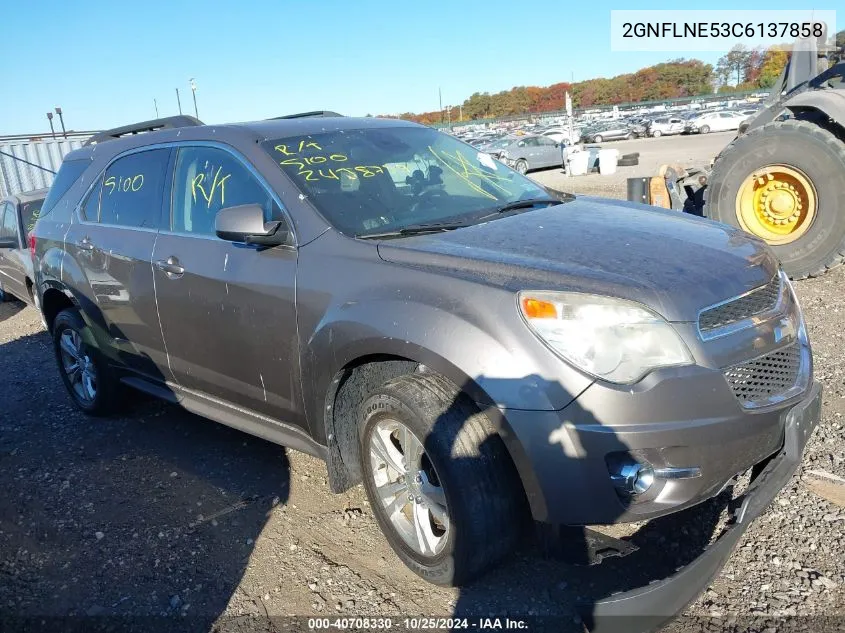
(227, 310)
(112, 241)
(548, 152)
(12, 277)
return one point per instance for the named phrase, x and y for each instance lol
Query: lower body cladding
(578, 476)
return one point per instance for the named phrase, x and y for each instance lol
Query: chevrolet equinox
(433, 324)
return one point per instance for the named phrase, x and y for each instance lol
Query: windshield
(29, 215)
(382, 179)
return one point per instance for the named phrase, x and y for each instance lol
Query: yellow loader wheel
(784, 182)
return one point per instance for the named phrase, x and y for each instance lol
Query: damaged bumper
(650, 607)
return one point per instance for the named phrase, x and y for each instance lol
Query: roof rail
(181, 120)
(306, 115)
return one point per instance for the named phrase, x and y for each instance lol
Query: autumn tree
(731, 67)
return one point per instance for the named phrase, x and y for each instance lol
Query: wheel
(86, 375)
(783, 182)
(704, 129)
(521, 166)
(439, 479)
(598, 138)
(657, 134)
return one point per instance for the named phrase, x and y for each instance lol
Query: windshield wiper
(518, 204)
(415, 229)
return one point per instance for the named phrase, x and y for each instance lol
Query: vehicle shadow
(152, 513)
(10, 306)
(558, 574)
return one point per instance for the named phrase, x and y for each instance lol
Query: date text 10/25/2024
(417, 624)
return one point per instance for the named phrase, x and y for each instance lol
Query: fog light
(633, 479)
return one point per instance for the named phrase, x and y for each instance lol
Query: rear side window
(208, 179)
(30, 212)
(132, 189)
(69, 173)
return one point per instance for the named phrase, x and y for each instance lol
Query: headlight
(612, 339)
(503, 154)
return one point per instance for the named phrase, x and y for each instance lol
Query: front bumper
(648, 608)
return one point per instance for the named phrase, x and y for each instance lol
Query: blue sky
(105, 62)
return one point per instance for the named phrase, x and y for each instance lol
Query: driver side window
(208, 179)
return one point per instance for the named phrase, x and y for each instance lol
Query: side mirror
(8, 242)
(245, 223)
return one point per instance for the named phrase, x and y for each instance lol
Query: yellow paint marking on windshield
(331, 175)
(303, 145)
(463, 176)
(283, 149)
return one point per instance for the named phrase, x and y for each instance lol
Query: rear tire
(468, 461)
(818, 154)
(93, 386)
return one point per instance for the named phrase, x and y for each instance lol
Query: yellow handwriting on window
(465, 170)
(124, 184)
(209, 191)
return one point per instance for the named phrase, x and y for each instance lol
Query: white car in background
(719, 121)
(558, 135)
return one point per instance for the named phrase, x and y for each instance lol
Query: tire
(704, 129)
(107, 389)
(657, 134)
(813, 150)
(597, 139)
(521, 166)
(631, 155)
(628, 162)
(485, 504)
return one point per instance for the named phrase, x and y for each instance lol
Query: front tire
(598, 138)
(812, 242)
(439, 479)
(704, 129)
(657, 134)
(89, 380)
(521, 166)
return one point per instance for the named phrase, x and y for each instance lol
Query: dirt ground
(174, 522)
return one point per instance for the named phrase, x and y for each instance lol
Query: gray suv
(469, 345)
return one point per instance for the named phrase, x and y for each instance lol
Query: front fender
(828, 102)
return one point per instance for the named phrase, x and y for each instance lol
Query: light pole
(155, 103)
(61, 120)
(50, 119)
(194, 91)
(178, 101)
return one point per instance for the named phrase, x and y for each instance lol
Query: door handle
(171, 267)
(85, 244)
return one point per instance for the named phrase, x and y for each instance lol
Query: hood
(672, 262)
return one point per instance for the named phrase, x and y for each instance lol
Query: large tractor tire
(784, 183)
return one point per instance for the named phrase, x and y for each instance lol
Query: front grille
(762, 299)
(756, 382)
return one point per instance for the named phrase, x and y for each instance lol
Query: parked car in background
(664, 126)
(18, 215)
(607, 132)
(558, 135)
(528, 152)
(719, 121)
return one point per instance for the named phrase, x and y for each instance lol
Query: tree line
(739, 70)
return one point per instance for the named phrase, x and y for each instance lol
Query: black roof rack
(181, 120)
(306, 115)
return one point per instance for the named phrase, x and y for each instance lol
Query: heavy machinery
(783, 177)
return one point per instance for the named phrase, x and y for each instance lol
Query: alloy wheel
(78, 366)
(408, 487)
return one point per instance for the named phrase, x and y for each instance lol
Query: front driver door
(229, 316)
(548, 152)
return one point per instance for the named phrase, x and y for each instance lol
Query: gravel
(160, 513)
